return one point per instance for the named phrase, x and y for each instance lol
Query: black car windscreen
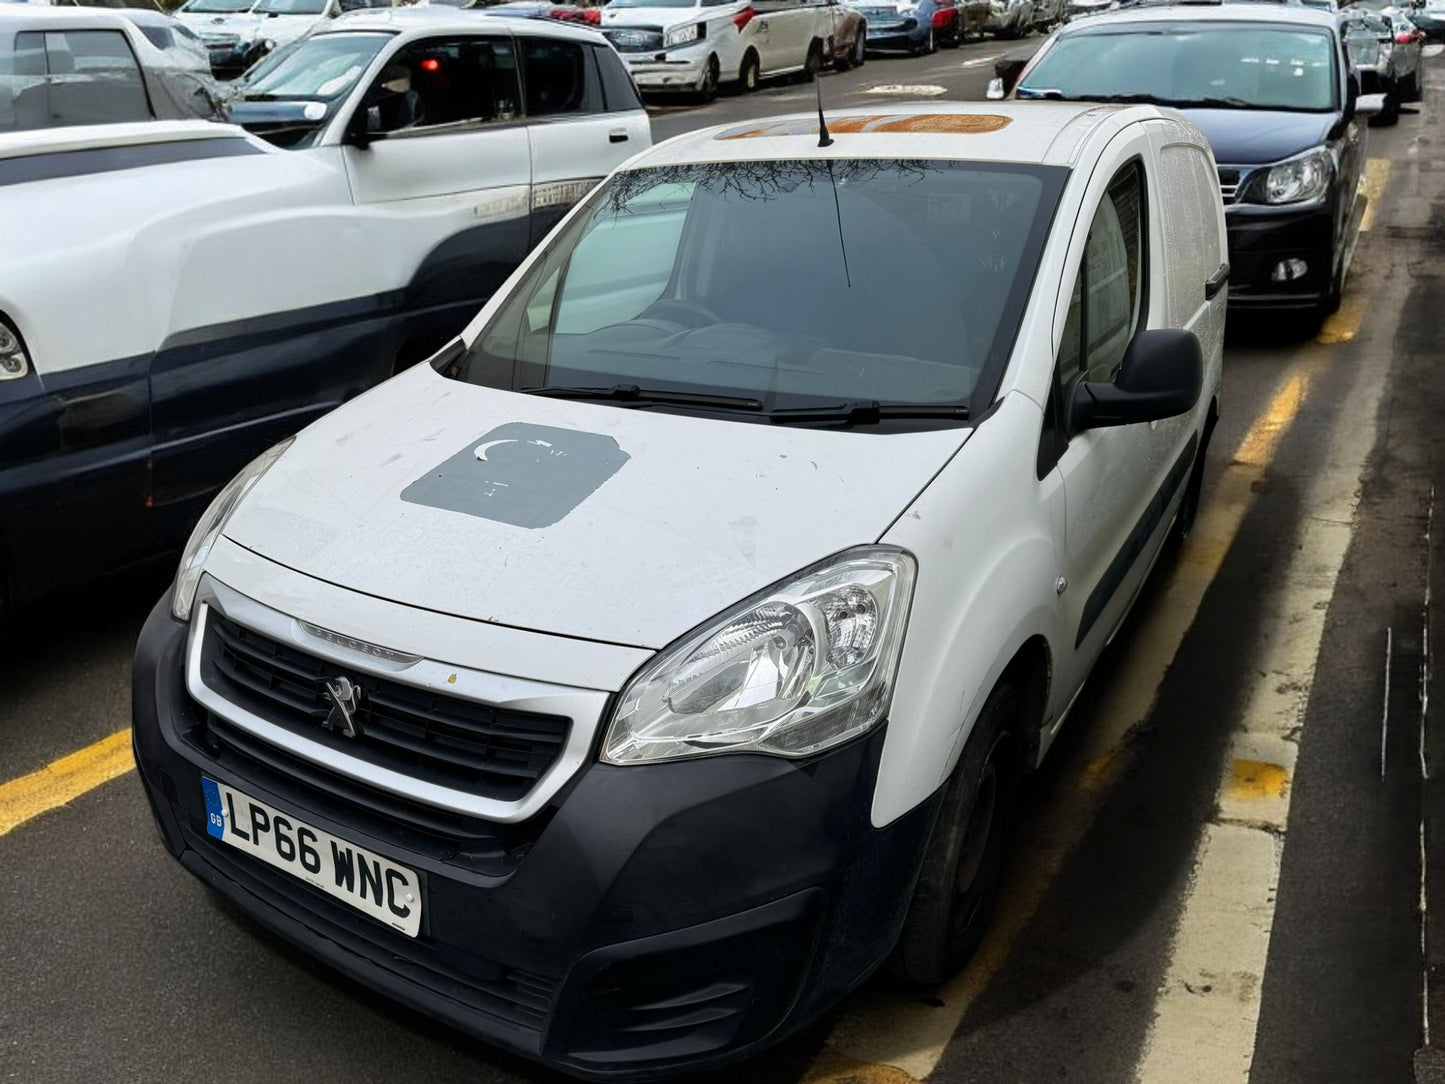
(1243, 65)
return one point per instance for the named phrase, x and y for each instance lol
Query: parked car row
(236, 290)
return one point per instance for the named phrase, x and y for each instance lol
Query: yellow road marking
(1372, 187)
(878, 1031)
(1255, 779)
(64, 780)
(1344, 324)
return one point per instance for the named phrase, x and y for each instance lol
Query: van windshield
(793, 283)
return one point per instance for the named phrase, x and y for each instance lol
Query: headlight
(208, 529)
(1304, 177)
(681, 35)
(803, 666)
(14, 361)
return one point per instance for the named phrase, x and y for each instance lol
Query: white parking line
(1207, 1007)
(1432, 50)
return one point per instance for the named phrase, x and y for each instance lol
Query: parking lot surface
(1227, 868)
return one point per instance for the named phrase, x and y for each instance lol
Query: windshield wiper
(1223, 102)
(866, 412)
(631, 393)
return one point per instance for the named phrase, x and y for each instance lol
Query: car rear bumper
(903, 35)
(1262, 238)
(652, 919)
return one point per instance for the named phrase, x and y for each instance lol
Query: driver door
(438, 145)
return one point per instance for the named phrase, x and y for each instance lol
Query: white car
(697, 46)
(606, 687)
(233, 291)
(63, 66)
(238, 33)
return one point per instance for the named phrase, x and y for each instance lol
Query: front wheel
(963, 864)
(928, 45)
(708, 84)
(749, 73)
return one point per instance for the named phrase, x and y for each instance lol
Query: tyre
(860, 48)
(749, 73)
(812, 63)
(952, 36)
(1390, 115)
(928, 45)
(711, 77)
(964, 861)
(1189, 507)
(1414, 92)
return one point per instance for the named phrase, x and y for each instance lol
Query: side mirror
(1160, 377)
(1368, 105)
(995, 91)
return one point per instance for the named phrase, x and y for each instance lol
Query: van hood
(1256, 137)
(621, 525)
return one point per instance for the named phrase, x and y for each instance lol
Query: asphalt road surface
(1228, 867)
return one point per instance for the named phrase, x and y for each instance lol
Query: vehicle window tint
(54, 79)
(1189, 65)
(619, 92)
(557, 77)
(769, 278)
(159, 36)
(1108, 293)
(441, 82)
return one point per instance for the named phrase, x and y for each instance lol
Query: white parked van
(627, 683)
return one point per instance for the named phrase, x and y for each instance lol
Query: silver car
(1385, 49)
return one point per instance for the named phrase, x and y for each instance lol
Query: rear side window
(558, 78)
(54, 79)
(618, 90)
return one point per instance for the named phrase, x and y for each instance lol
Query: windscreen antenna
(824, 139)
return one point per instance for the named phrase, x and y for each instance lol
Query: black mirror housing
(1160, 377)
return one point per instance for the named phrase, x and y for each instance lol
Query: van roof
(1041, 132)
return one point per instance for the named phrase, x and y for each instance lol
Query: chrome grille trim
(583, 706)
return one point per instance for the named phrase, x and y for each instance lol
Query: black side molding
(1216, 282)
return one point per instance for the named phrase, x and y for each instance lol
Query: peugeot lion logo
(345, 700)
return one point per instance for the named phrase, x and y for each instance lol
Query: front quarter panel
(986, 534)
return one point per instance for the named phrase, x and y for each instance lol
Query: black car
(1273, 89)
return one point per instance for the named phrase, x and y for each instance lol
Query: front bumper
(900, 35)
(669, 72)
(650, 919)
(1262, 237)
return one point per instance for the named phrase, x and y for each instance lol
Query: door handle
(617, 135)
(1216, 282)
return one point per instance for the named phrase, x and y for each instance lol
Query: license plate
(372, 884)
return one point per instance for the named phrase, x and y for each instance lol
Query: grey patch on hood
(523, 474)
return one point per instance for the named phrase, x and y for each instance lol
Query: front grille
(443, 740)
(1229, 184)
(634, 39)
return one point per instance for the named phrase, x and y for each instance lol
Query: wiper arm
(866, 412)
(631, 393)
(1224, 102)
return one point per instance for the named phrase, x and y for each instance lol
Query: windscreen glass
(795, 283)
(1235, 66)
(217, 7)
(290, 7)
(321, 68)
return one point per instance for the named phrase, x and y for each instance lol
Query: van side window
(1108, 294)
(618, 90)
(445, 82)
(558, 78)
